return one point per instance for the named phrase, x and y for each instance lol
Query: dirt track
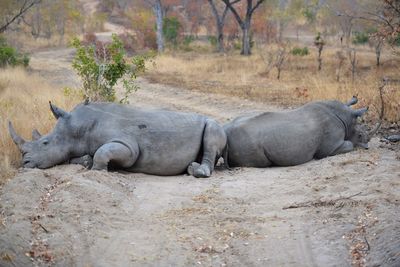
(332, 212)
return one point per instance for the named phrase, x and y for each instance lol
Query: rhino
(155, 142)
(315, 130)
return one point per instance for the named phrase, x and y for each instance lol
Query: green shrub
(101, 66)
(213, 40)
(9, 56)
(298, 51)
(171, 29)
(360, 38)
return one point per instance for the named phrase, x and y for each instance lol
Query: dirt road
(337, 211)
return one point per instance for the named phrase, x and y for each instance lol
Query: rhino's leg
(86, 161)
(118, 153)
(346, 146)
(214, 142)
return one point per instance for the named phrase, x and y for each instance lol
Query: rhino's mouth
(363, 145)
(28, 164)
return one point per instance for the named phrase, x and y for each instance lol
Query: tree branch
(259, 2)
(233, 10)
(25, 7)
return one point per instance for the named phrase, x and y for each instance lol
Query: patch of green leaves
(101, 66)
(9, 56)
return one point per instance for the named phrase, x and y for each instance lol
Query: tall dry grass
(24, 100)
(300, 82)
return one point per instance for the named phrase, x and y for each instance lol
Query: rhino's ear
(359, 112)
(57, 112)
(35, 135)
(352, 101)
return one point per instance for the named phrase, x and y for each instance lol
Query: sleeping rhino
(150, 141)
(315, 130)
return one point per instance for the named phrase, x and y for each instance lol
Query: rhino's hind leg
(214, 142)
(346, 147)
(115, 152)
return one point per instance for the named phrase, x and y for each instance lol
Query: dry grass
(24, 100)
(300, 81)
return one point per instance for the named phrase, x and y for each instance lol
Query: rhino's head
(360, 136)
(45, 151)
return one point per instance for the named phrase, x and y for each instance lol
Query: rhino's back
(277, 138)
(168, 141)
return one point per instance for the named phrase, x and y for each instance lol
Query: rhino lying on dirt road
(150, 141)
(315, 130)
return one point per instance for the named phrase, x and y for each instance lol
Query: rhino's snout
(363, 145)
(28, 164)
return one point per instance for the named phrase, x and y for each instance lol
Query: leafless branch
(25, 7)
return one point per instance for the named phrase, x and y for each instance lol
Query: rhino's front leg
(115, 152)
(214, 142)
(86, 161)
(346, 146)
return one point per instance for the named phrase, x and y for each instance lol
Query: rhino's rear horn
(18, 140)
(57, 112)
(359, 112)
(35, 135)
(352, 101)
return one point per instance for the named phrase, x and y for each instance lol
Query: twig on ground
(318, 203)
(43, 228)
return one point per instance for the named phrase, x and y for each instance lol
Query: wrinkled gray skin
(315, 130)
(150, 141)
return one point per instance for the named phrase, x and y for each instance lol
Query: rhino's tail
(225, 157)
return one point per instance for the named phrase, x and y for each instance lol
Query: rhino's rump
(282, 138)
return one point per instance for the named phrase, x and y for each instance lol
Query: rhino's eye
(45, 142)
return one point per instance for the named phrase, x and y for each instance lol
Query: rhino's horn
(35, 135)
(359, 112)
(18, 140)
(352, 101)
(57, 112)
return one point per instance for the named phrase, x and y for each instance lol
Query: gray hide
(315, 130)
(150, 141)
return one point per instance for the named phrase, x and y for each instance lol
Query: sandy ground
(338, 211)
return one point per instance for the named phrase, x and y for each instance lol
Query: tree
(13, 10)
(244, 23)
(159, 13)
(220, 23)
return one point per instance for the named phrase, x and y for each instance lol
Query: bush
(101, 66)
(298, 51)
(360, 38)
(9, 56)
(171, 29)
(213, 40)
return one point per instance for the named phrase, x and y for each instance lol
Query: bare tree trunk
(158, 11)
(378, 50)
(244, 23)
(246, 46)
(220, 22)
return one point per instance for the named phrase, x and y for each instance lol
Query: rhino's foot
(86, 161)
(192, 166)
(198, 171)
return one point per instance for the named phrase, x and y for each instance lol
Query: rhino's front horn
(18, 140)
(359, 112)
(57, 112)
(35, 135)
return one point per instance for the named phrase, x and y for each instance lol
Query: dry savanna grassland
(252, 77)
(24, 100)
